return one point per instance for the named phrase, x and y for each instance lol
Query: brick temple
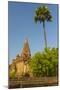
(21, 64)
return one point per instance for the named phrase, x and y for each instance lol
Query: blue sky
(21, 25)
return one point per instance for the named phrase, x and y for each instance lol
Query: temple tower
(26, 51)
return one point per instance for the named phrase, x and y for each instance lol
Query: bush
(45, 63)
(12, 74)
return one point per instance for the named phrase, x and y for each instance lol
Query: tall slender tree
(42, 14)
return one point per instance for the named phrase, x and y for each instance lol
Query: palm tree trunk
(44, 35)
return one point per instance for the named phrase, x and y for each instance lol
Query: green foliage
(42, 14)
(12, 74)
(45, 63)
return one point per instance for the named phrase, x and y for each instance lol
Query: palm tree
(42, 14)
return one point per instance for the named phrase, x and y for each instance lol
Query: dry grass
(33, 82)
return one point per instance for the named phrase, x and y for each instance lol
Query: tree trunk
(44, 35)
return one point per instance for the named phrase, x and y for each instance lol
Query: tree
(43, 14)
(45, 63)
(51, 54)
(35, 65)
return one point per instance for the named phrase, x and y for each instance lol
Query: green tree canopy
(45, 63)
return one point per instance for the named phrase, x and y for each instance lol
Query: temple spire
(26, 54)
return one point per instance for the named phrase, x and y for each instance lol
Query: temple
(21, 64)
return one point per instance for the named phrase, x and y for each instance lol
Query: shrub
(45, 63)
